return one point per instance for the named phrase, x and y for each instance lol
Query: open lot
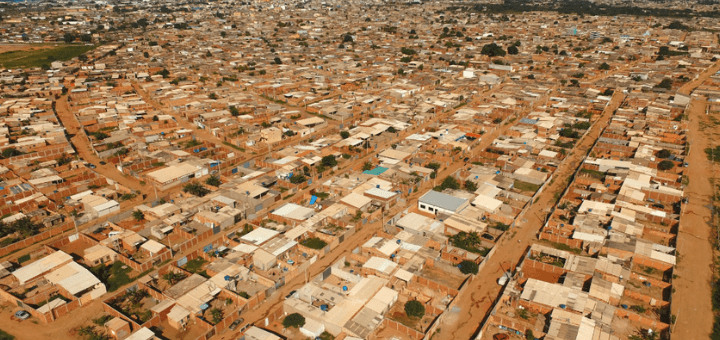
(37, 56)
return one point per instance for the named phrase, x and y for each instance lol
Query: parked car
(236, 323)
(102, 163)
(22, 314)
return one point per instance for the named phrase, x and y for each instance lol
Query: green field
(43, 56)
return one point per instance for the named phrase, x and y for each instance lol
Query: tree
(529, 335)
(512, 49)
(569, 133)
(665, 84)
(164, 73)
(213, 180)
(213, 96)
(297, 179)
(344, 134)
(664, 153)
(196, 189)
(216, 315)
(492, 50)
(138, 215)
(173, 277)
(10, 152)
(468, 267)
(294, 320)
(391, 130)
(415, 309)
(234, 111)
(329, 161)
(155, 118)
(367, 166)
(347, 38)
(434, 166)
(450, 183)
(277, 60)
(401, 71)
(69, 37)
(604, 67)
(146, 55)
(665, 165)
(470, 186)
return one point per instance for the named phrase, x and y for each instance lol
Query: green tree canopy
(415, 309)
(468, 267)
(294, 320)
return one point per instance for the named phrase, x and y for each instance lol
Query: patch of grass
(565, 247)
(593, 173)
(234, 146)
(5, 335)
(114, 276)
(24, 258)
(525, 186)
(314, 243)
(195, 266)
(45, 56)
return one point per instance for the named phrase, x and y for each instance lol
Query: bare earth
(478, 300)
(23, 47)
(691, 302)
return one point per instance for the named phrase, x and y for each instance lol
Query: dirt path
(691, 302)
(478, 299)
(688, 87)
(82, 146)
(32, 329)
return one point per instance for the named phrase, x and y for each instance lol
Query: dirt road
(82, 146)
(478, 299)
(691, 302)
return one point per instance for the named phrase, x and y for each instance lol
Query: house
(118, 328)
(99, 254)
(41, 267)
(436, 202)
(255, 333)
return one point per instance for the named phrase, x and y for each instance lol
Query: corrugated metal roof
(442, 201)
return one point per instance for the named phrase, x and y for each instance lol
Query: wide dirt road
(477, 301)
(83, 148)
(691, 302)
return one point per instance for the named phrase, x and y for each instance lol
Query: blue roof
(313, 198)
(375, 172)
(528, 121)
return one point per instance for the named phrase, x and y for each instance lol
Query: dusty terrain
(477, 301)
(691, 302)
(23, 47)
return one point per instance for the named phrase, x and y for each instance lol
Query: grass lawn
(114, 276)
(195, 266)
(525, 186)
(314, 243)
(5, 336)
(36, 58)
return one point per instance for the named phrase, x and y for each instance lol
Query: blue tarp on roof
(528, 121)
(313, 198)
(375, 172)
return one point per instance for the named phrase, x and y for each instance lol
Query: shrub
(414, 309)
(468, 267)
(666, 165)
(294, 320)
